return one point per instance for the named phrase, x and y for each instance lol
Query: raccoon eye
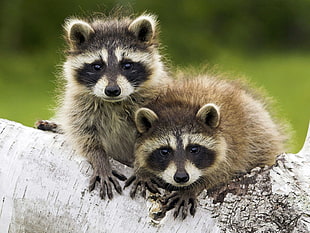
(164, 151)
(127, 66)
(97, 67)
(194, 149)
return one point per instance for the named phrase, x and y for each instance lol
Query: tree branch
(43, 188)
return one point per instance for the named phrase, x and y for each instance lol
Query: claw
(179, 206)
(193, 203)
(152, 188)
(134, 188)
(175, 213)
(102, 190)
(117, 186)
(141, 183)
(109, 190)
(172, 201)
(92, 182)
(106, 180)
(184, 210)
(119, 175)
(142, 189)
(183, 203)
(47, 126)
(129, 181)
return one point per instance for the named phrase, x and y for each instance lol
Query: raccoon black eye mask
(191, 141)
(112, 66)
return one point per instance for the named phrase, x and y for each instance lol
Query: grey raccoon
(198, 135)
(113, 67)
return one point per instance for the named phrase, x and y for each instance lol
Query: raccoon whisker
(188, 134)
(98, 120)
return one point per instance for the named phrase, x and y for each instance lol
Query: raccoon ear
(209, 114)
(143, 27)
(144, 119)
(78, 32)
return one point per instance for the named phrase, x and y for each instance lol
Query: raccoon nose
(112, 91)
(181, 177)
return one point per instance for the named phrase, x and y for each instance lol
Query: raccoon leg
(141, 182)
(183, 201)
(106, 177)
(48, 126)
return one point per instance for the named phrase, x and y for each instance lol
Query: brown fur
(246, 135)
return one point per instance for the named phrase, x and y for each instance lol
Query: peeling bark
(43, 188)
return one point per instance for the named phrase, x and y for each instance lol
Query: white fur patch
(156, 143)
(172, 142)
(193, 172)
(77, 62)
(100, 86)
(221, 150)
(88, 58)
(125, 86)
(168, 174)
(218, 145)
(198, 139)
(132, 55)
(152, 144)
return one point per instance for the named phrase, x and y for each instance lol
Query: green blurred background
(267, 41)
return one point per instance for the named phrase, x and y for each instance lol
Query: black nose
(181, 177)
(112, 91)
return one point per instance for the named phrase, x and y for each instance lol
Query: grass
(27, 85)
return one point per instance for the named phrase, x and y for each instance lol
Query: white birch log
(43, 188)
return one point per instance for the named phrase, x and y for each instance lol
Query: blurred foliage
(201, 26)
(266, 40)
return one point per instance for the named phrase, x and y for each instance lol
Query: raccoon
(113, 67)
(199, 134)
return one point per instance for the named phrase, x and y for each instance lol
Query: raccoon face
(112, 59)
(177, 155)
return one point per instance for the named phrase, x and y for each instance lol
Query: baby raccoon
(199, 134)
(113, 67)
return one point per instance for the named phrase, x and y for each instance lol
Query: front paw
(106, 180)
(141, 183)
(182, 201)
(46, 125)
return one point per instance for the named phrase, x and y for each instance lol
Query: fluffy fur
(199, 134)
(113, 67)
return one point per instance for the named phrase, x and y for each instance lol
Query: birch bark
(43, 188)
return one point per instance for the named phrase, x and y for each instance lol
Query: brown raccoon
(199, 134)
(113, 67)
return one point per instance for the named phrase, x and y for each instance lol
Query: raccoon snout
(112, 91)
(181, 177)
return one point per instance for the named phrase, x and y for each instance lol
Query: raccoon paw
(141, 184)
(48, 126)
(182, 201)
(106, 181)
